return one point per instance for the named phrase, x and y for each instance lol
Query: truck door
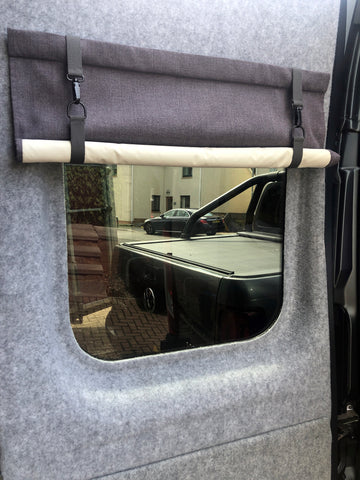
(256, 409)
(180, 218)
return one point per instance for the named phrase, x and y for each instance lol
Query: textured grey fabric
(64, 415)
(266, 457)
(144, 96)
(78, 417)
(334, 159)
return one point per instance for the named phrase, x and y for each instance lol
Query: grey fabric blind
(150, 97)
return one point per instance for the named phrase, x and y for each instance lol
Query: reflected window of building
(185, 201)
(187, 172)
(155, 203)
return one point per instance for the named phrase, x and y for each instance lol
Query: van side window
(143, 282)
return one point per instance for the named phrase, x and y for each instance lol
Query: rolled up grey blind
(142, 97)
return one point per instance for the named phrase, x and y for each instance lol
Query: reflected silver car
(174, 221)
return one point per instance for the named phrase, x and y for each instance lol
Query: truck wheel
(149, 300)
(153, 301)
(149, 229)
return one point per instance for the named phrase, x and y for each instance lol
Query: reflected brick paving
(137, 332)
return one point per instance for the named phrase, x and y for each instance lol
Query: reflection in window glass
(156, 203)
(185, 201)
(137, 286)
(187, 172)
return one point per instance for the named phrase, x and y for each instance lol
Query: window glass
(156, 203)
(144, 282)
(182, 213)
(170, 213)
(185, 201)
(187, 172)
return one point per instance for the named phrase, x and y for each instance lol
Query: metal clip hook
(76, 87)
(76, 91)
(297, 116)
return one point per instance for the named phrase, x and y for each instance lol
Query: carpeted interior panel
(65, 415)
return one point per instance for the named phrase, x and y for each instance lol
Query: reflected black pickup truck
(213, 289)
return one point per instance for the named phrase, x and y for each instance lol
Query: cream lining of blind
(59, 151)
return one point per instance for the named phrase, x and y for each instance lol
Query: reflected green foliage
(89, 195)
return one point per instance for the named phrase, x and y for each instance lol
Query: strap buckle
(71, 114)
(297, 131)
(297, 122)
(76, 86)
(76, 110)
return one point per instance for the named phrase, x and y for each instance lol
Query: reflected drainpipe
(132, 195)
(200, 180)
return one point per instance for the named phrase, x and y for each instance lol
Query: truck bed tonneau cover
(243, 255)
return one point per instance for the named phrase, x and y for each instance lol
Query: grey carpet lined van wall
(65, 415)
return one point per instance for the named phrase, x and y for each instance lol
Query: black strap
(298, 134)
(297, 94)
(74, 58)
(77, 138)
(76, 111)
